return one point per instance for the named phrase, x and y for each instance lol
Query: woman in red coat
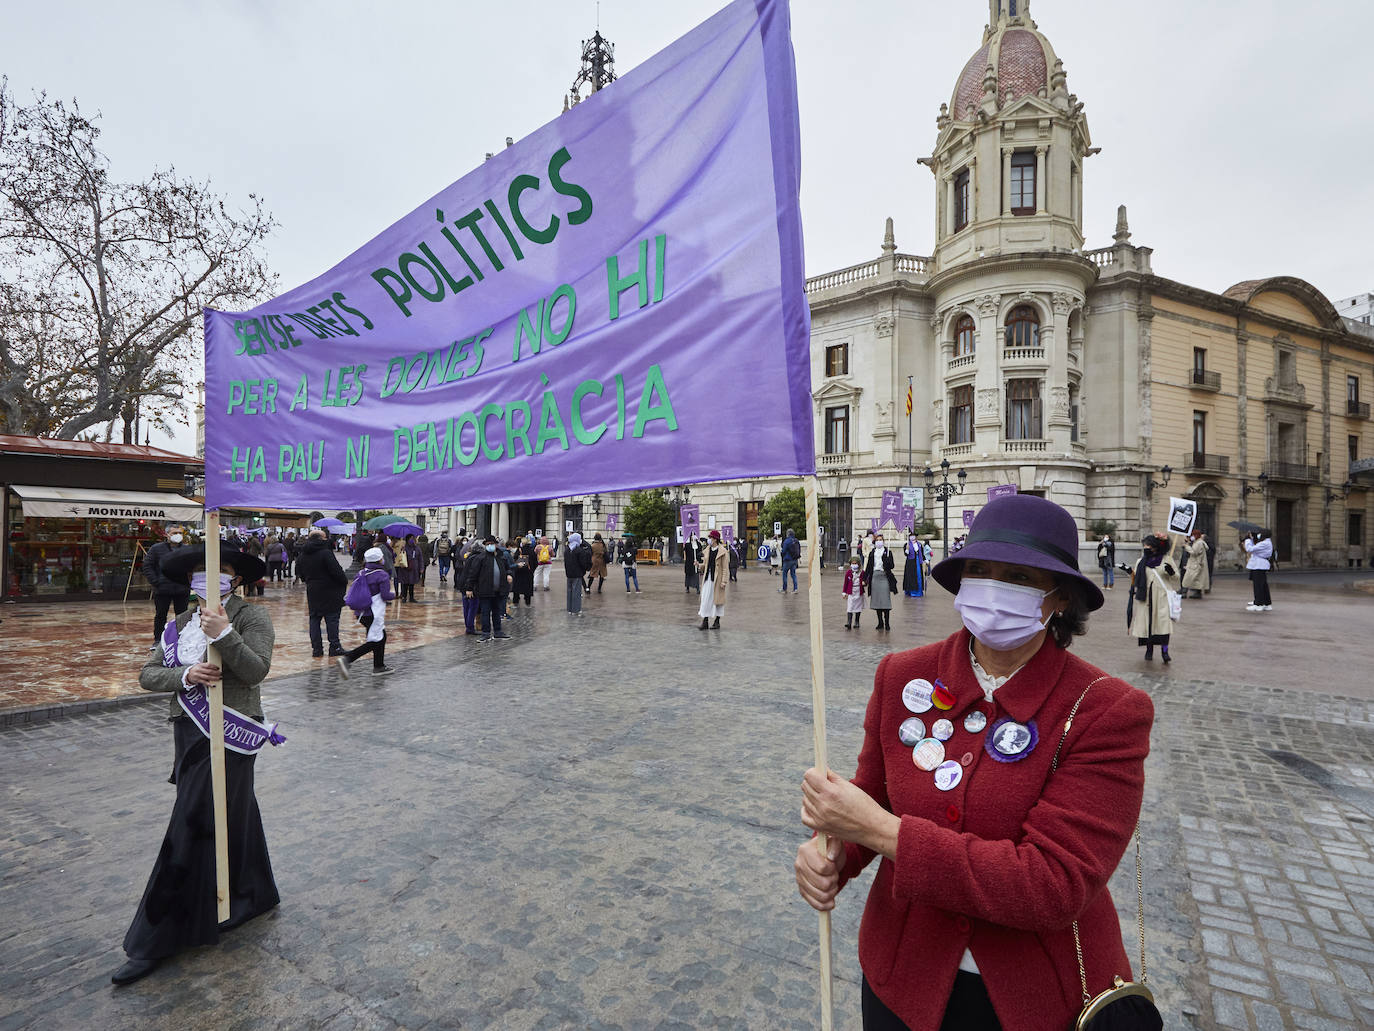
(987, 857)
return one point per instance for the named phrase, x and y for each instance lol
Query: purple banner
(612, 523)
(968, 518)
(908, 517)
(555, 316)
(691, 521)
(727, 533)
(891, 511)
(1002, 490)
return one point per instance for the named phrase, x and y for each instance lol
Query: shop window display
(51, 556)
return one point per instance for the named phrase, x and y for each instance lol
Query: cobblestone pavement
(592, 825)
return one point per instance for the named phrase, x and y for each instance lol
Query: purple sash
(242, 733)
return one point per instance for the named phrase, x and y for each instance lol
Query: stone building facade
(1078, 374)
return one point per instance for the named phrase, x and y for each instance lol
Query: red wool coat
(1003, 863)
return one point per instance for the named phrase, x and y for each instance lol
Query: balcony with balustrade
(1022, 446)
(1015, 356)
(1357, 409)
(1198, 463)
(962, 361)
(854, 275)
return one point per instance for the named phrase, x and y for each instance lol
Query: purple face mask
(1002, 616)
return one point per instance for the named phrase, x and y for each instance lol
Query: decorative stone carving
(989, 403)
(987, 305)
(1063, 303)
(884, 324)
(884, 414)
(1059, 403)
(937, 416)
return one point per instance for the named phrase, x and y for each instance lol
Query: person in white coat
(1260, 550)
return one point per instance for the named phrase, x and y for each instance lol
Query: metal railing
(1197, 461)
(1206, 379)
(1359, 409)
(1299, 472)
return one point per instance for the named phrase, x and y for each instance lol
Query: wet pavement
(592, 825)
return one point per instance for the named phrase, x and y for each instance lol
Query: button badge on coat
(1008, 741)
(942, 697)
(948, 775)
(912, 731)
(942, 730)
(916, 695)
(928, 754)
(975, 721)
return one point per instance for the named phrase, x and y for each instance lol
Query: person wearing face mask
(367, 597)
(853, 594)
(178, 909)
(992, 868)
(487, 578)
(167, 593)
(881, 582)
(1147, 609)
(913, 575)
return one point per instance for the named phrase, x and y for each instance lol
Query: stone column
(1040, 184)
(1006, 182)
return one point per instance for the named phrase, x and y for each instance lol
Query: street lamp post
(945, 490)
(681, 496)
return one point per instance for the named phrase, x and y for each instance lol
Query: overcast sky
(1237, 133)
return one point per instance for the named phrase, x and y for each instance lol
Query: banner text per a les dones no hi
(616, 301)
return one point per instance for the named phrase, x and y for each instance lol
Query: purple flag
(891, 511)
(557, 316)
(1002, 490)
(612, 523)
(968, 518)
(727, 533)
(691, 520)
(908, 517)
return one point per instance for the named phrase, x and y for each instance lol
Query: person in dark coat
(408, 575)
(577, 562)
(178, 908)
(522, 572)
(691, 578)
(486, 578)
(325, 583)
(166, 593)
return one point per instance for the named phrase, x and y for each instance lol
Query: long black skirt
(178, 909)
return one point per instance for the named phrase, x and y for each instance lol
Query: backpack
(543, 554)
(443, 547)
(359, 594)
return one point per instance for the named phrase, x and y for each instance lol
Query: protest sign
(612, 523)
(727, 533)
(1002, 490)
(968, 517)
(548, 317)
(1182, 515)
(891, 510)
(691, 520)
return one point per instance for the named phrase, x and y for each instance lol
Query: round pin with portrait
(948, 775)
(1008, 741)
(942, 730)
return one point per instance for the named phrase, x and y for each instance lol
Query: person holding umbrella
(178, 910)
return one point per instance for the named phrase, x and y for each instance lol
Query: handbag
(1175, 599)
(1126, 1005)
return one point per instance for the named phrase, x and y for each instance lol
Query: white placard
(1182, 515)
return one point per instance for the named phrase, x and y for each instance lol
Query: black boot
(1164, 653)
(705, 624)
(1149, 654)
(716, 624)
(848, 623)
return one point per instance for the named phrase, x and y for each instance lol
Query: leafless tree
(102, 283)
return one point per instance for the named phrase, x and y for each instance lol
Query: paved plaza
(592, 825)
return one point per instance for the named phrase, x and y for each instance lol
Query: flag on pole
(908, 397)
(554, 315)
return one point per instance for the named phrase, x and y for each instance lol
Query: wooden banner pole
(216, 692)
(813, 577)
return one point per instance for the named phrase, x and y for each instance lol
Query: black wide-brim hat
(182, 562)
(1028, 531)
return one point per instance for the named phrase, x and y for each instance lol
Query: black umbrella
(1247, 527)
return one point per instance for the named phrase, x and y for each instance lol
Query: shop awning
(83, 503)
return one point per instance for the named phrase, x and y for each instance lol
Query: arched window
(963, 336)
(1023, 327)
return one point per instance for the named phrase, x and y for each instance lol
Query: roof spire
(889, 241)
(1123, 229)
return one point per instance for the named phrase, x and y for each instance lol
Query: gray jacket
(245, 655)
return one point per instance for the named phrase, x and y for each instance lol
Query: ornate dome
(1021, 59)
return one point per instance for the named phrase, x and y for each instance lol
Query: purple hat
(1026, 530)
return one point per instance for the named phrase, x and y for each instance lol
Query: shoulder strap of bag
(1139, 881)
